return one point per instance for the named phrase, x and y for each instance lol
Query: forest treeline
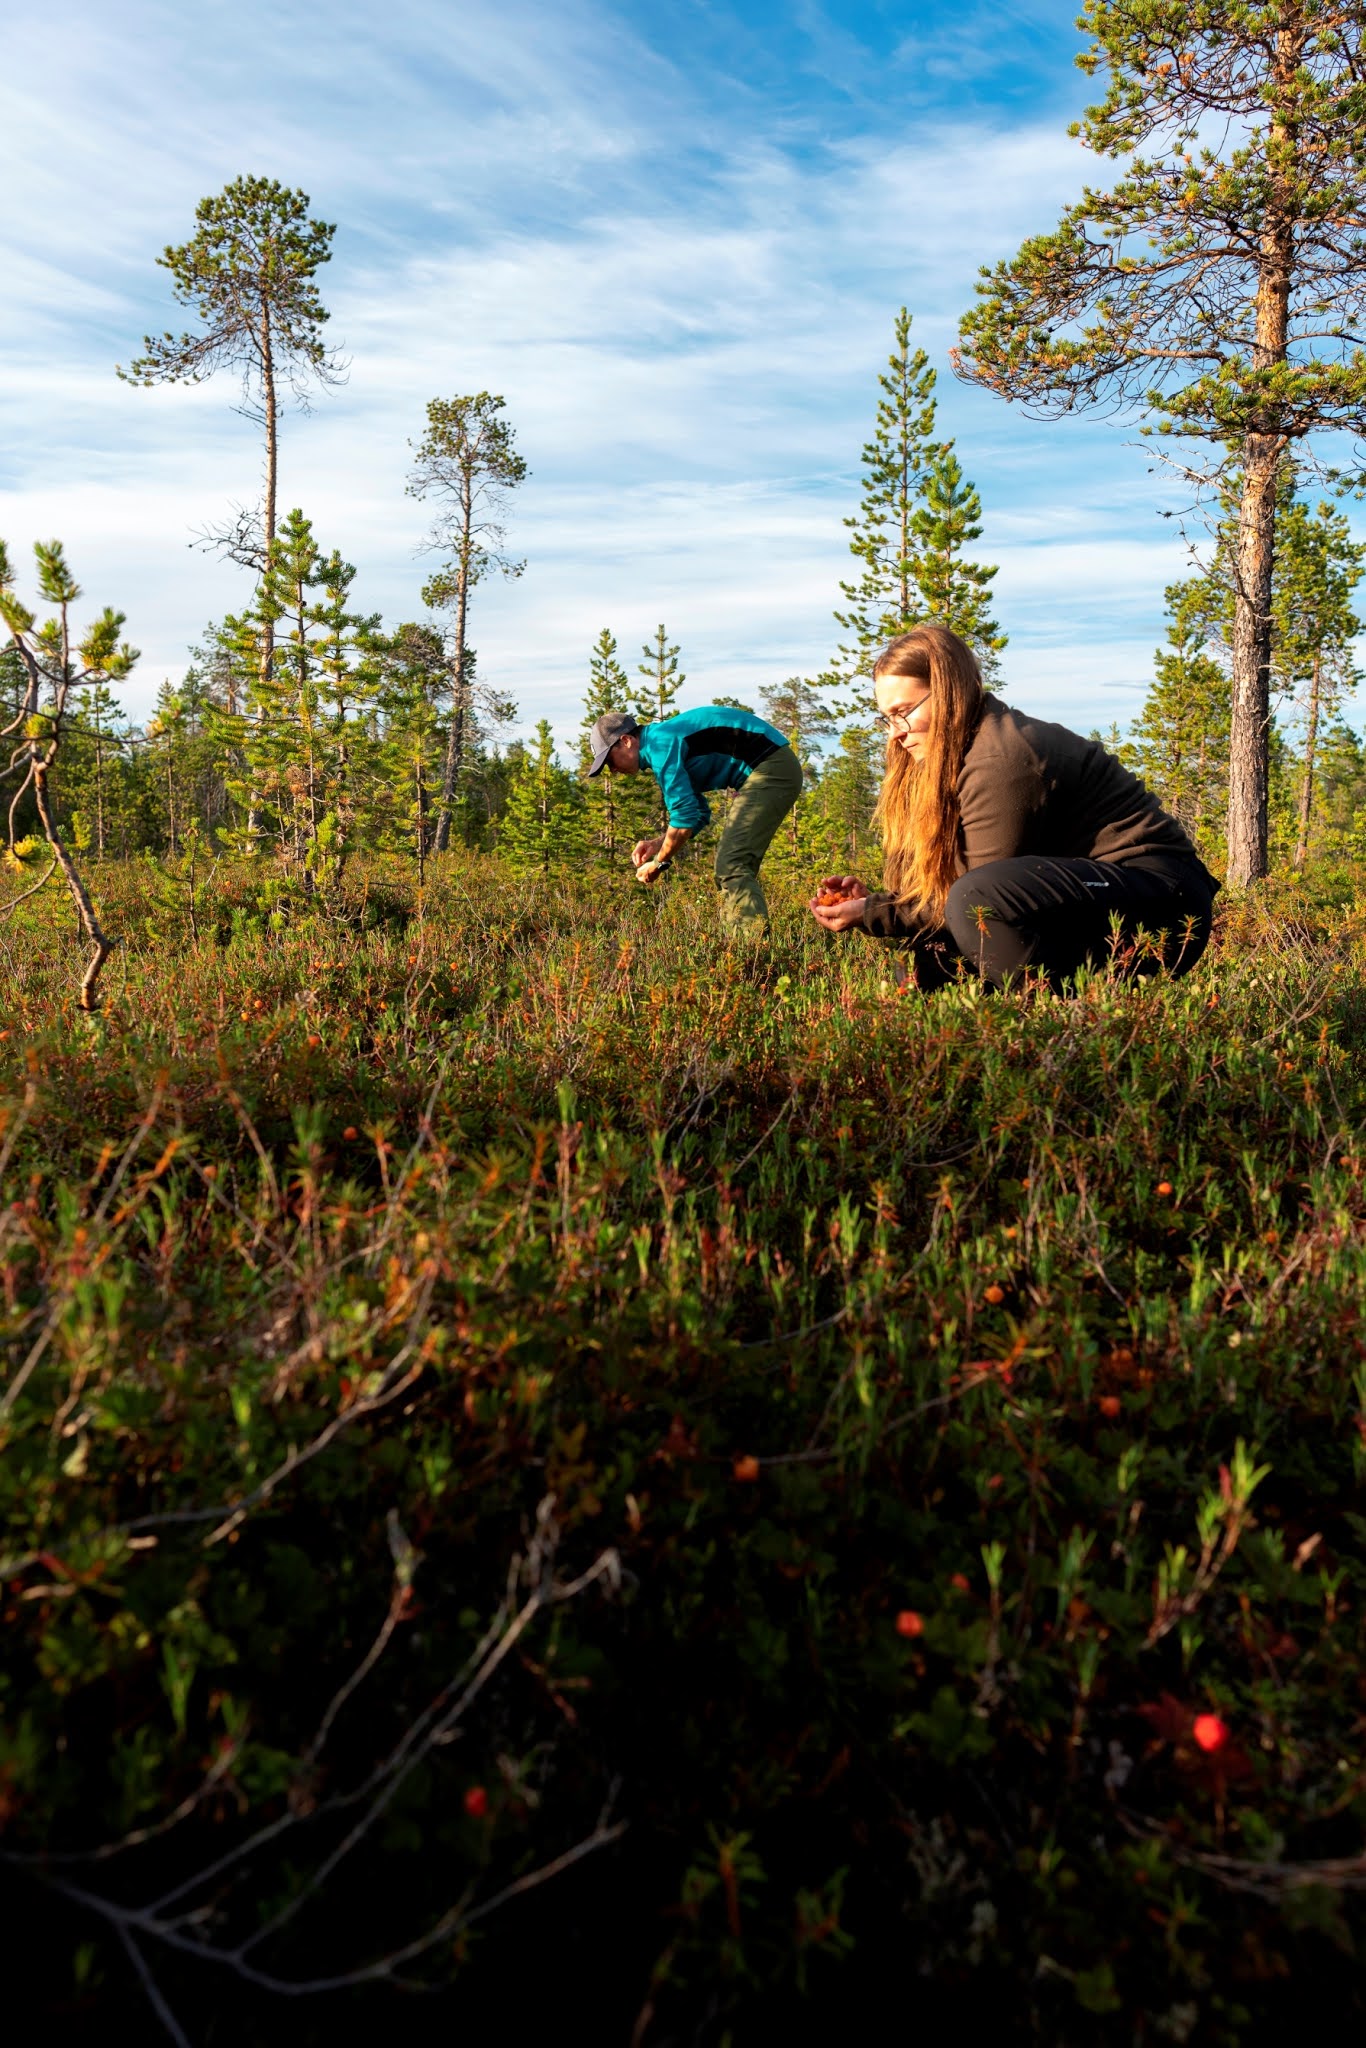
(1211, 292)
(305, 729)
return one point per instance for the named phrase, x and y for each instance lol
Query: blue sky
(673, 236)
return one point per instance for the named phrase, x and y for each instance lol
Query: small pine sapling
(54, 666)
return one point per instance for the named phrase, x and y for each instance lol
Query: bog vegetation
(529, 1433)
(523, 1438)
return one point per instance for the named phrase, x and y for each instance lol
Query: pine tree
(411, 679)
(845, 798)
(1179, 742)
(609, 687)
(619, 807)
(13, 683)
(885, 599)
(55, 663)
(288, 745)
(96, 748)
(236, 723)
(544, 826)
(1318, 566)
(166, 745)
(1220, 284)
(348, 690)
(798, 710)
(1341, 790)
(663, 679)
(956, 593)
(249, 272)
(468, 462)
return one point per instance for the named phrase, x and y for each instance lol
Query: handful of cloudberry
(838, 889)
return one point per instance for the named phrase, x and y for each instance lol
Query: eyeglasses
(901, 716)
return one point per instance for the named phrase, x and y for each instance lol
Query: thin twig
(15, 901)
(153, 1989)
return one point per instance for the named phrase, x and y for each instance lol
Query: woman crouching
(1011, 846)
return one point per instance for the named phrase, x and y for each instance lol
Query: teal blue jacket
(715, 746)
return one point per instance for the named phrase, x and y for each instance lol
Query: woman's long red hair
(917, 807)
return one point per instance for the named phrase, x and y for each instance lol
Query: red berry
(1164, 1187)
(1109, 1404)
(476, 1802)
(1210, 1732)
(960, 1582)
(746, 1468)
(909, 1623)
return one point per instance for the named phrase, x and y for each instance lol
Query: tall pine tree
(956, 592)
(663, 679)
(884, 599)
(1220, 282)
(916, 516)
(468, 462)
(249, 272)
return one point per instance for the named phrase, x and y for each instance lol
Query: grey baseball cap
(611, 727)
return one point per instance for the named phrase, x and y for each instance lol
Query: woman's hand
(839, 902)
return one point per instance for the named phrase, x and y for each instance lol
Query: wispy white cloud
(686, 314)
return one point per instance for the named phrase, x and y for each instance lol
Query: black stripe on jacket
(736, 740)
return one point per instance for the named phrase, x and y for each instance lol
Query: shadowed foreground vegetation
(547, 1470)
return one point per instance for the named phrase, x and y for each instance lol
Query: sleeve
(885, 918)
(998, 799)
(682, 802)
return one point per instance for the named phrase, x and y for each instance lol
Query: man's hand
(650, 855)
(839, 902)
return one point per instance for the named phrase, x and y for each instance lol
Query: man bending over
(714, 747)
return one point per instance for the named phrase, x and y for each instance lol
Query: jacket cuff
(880, 919)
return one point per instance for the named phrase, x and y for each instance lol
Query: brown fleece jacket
(1028, 787)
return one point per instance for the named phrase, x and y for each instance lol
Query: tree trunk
(89, 923)
(99, 791)
(1263, 446)
(272, 461)
(1251, 697)
(268, 523)
(1310, 748)
(455, 739)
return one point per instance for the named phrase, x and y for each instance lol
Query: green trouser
(764, 800)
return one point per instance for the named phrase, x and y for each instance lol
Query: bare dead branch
(531, 1589)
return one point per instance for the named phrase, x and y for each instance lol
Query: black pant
(1051, 917)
